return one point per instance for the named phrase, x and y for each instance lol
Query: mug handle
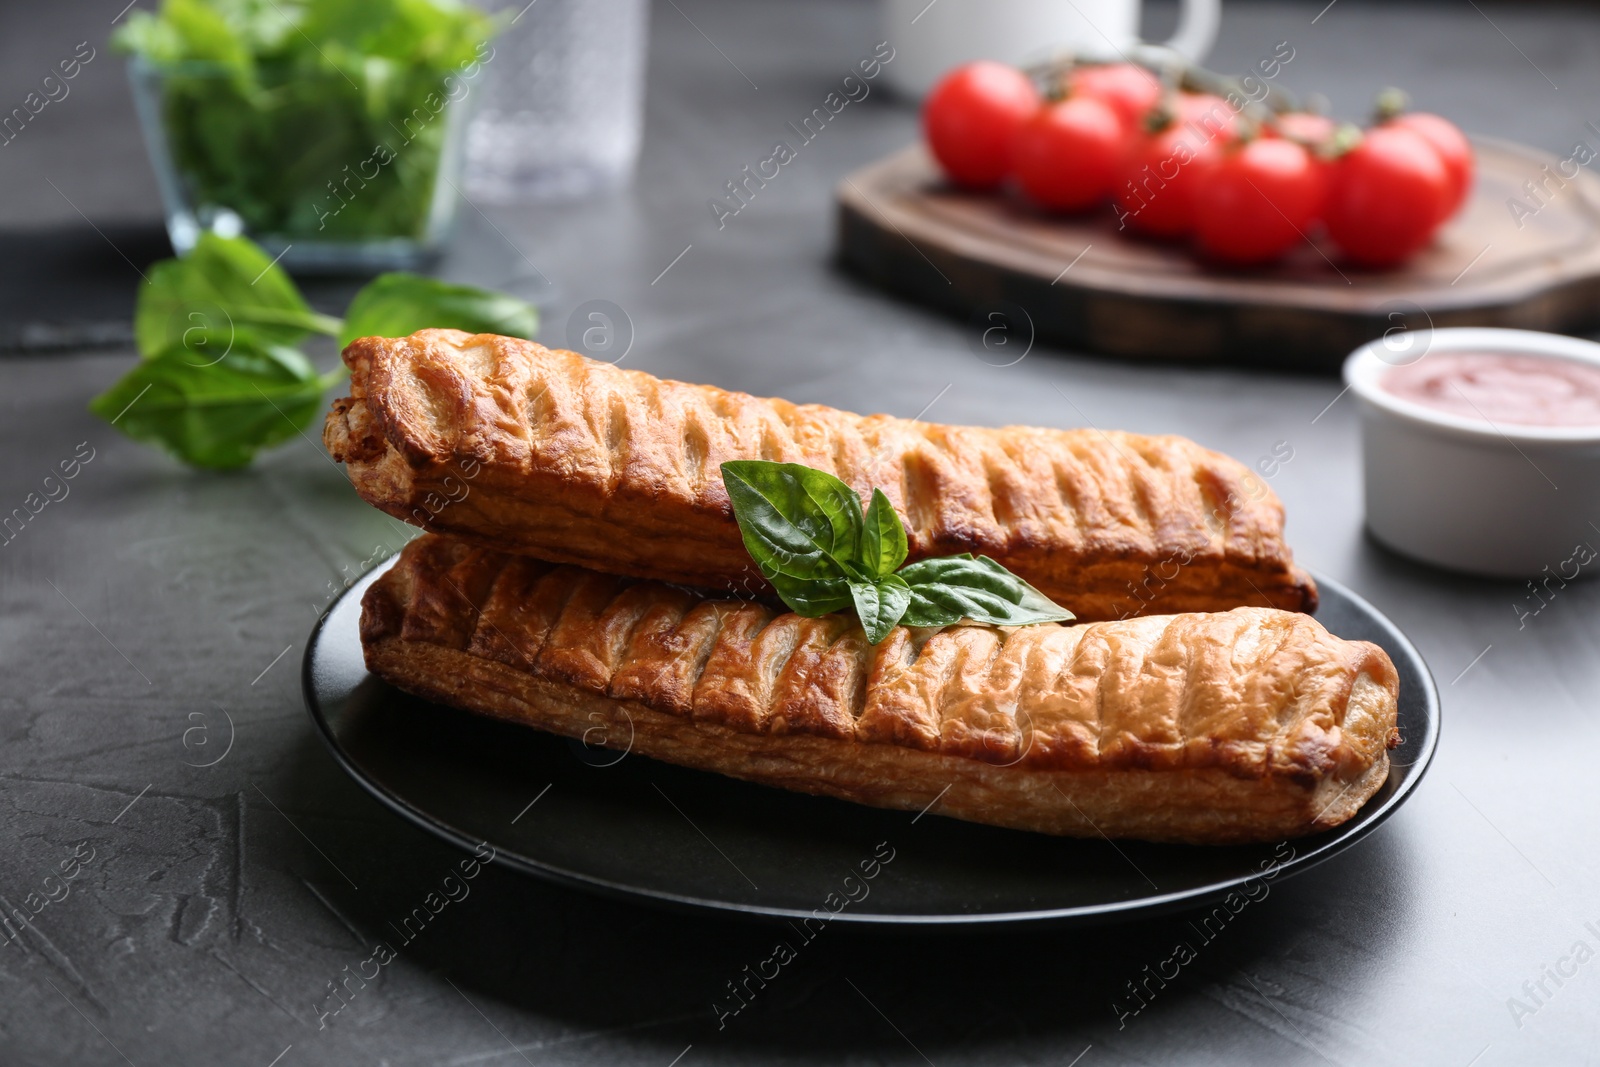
(1197, 29)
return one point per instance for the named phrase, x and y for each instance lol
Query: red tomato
(1067, 155)
(1257, 201)
(1303, 126)
(1156, 192)
(1455, 151)
(1212, 116)
(1312, 130)
(1128, 88)
(971, 119)
(1388, 195)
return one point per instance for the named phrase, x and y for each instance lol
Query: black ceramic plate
(622, 824)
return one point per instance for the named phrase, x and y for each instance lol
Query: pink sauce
(1500, 387)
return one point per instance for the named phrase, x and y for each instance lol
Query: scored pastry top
(1256, 692)
(572, 460)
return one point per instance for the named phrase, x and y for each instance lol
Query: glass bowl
(325, 174)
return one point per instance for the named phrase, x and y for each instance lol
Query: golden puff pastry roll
(548, 454)
(1248, 725)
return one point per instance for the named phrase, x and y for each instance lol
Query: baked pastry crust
(548, 454)
(1250, 725)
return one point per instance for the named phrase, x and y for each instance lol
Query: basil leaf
(217, 414)
(812, 597)
(947, 590)
(268, 362)
(225, 288)
(805, 531)
(880, 605)
(883, 538)
(186, 29)
(796, 521)
(398, 304)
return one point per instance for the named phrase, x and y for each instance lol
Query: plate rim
(1137, 907)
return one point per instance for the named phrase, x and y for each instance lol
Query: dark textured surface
(217, 908)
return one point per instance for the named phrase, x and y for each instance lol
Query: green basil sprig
(220, 378)
(397, 305)
(807, 533)
(224, 286)
(217, 416)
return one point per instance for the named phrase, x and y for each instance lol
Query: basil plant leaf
(947, 590)
(225, 289)
(812, 597)
(880, 605)
(807, 534)
(216, 414)
(883, 538)
(187, 30)
(795, 520)
(399, 304)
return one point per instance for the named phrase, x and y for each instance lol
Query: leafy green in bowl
(321, 123)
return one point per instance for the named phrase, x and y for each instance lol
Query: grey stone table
(213, 905)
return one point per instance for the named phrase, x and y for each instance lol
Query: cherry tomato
(1257, 201)
(1155, 194)
(1129, 89)
(1309, 129)
(1315, 132)
(1387, 197)
(1455, 151)
(1067, 155)
(1211, 115)
(971, 119)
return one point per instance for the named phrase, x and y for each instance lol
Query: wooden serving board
(902, 227)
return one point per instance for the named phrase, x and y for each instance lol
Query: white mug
(930, 38)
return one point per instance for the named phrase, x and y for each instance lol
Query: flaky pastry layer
(545, 453)
(1250, 725)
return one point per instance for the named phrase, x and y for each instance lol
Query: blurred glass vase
(335, 142)
(561, 109)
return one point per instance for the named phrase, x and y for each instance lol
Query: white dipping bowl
(1498, 499)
